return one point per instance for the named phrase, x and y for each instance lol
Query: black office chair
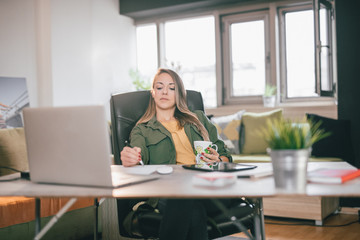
(126, 110)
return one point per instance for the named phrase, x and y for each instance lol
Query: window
(298, 45)
(245, 55)
(190, 50)
(324, 23)
(147, 54)
(230, 55)
(306, 63)
(187, 46)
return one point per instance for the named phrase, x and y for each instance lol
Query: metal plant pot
(290, 169)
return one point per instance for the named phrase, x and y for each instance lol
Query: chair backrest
(127, 108)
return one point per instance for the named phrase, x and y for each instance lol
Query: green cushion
(251, 142)
(13, 150)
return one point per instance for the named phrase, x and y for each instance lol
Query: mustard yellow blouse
(184, 151)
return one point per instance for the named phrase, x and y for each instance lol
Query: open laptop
(71, 145)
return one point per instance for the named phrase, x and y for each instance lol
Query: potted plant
(269, 97)
(139, 81)
(289, 148)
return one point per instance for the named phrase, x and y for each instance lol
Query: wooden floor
(335, 227)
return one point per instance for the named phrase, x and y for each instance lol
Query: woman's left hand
(211, 157)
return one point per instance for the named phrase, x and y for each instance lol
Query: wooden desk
(179, 185)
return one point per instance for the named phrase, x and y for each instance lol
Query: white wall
(114, 49)
(17, 43)
(91, 48)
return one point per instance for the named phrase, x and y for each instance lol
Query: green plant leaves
(139, 81)
(270, 90)
(285, 134)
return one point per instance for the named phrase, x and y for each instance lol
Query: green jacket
(156, 143)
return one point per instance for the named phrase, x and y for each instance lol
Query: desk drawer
(303, 207)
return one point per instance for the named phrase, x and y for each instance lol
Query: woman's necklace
(166, 120)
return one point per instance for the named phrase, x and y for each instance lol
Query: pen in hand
(128, 145)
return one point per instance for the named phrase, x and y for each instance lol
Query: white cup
(201, 146)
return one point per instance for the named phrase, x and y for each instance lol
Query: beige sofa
(18, 212)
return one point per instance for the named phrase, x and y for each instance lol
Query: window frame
(328, 5)
(226, 22)
(322, 95)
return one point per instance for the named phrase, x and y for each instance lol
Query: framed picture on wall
(13, 98)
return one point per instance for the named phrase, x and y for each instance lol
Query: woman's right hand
(130, 156)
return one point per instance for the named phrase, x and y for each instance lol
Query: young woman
(166, 132)
(165, 135)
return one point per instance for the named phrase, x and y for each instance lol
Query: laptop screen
(68, 145)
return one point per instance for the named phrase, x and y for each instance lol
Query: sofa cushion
(228, 128)
(338, 144)
(251, 141)
(15, 210)
(265, 158)
(13, 150)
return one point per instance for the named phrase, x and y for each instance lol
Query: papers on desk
(213, 179)
(324, 175)
(256, 175)
(260, 172)
(137, 170)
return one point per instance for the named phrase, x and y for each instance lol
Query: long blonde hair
(182, 112)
